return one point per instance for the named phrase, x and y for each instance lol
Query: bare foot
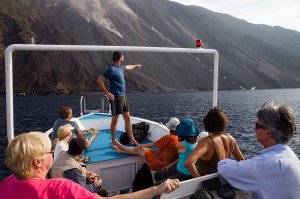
(134, 142)
(116, 143)
(113, 145)
(118, 150)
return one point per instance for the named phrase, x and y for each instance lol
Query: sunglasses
(260, 126)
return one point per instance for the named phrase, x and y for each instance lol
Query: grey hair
(280, 119)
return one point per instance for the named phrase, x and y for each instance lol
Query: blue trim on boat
(101, 150)
(95, 116)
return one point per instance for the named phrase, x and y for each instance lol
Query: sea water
(38, 113)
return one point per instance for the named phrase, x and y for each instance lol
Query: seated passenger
(29, 158)
(275, 172)
(67, 165)
(166, 153)
(66, 114)
(187, 133)
(61, 143)
(213, 148)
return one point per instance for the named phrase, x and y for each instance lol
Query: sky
(284, 13)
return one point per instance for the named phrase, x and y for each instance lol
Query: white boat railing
(33, 47)
(82, 105)
(84, 111)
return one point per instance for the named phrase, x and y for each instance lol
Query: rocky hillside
(250, 55)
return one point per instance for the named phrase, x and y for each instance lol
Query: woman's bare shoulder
(230, 136)
(205, 141)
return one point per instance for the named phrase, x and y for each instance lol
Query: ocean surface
(38, 113)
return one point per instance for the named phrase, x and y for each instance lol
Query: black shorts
(119, 105)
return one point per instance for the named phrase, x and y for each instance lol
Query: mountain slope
(250, 55)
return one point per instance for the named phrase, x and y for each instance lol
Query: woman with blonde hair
(61, 143)
(29, 157)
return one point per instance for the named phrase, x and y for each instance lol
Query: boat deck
(101, 150)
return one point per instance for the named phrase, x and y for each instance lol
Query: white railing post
(9, 93)
(81, 105)
(216, 77)
(102, 105)
(84, 106)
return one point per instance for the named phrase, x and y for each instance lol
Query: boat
(117, 170)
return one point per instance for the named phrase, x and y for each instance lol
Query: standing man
(116, 94)
(275, 172)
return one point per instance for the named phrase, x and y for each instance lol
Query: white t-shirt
(60, 146)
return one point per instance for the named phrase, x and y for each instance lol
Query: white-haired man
(275, 172)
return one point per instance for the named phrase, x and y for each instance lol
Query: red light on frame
(198, 43)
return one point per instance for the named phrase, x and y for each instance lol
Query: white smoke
(97, 11)
(119, 5)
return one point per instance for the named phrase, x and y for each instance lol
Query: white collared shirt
(275, 173)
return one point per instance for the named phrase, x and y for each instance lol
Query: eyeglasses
(260, 126)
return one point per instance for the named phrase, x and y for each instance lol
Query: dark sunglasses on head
(260, 126)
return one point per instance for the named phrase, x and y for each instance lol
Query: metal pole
(33, 47)
(84, 106)
(216, 77)
(102, 105)
(9, 93)
(81, 108)
(38, 47)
